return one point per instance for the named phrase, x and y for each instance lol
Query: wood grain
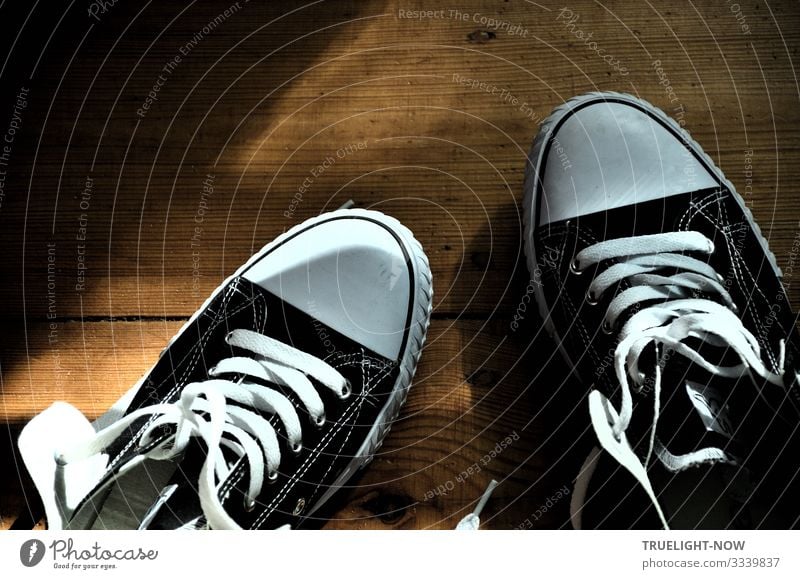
(440, 155)
(160, 207)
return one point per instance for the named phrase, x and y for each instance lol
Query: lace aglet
(472, 521)
(485, 497)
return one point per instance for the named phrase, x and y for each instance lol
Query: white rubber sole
(420, 321)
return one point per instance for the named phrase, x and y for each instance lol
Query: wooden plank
(473, 240)
(478, 385)
(443, 157)
(260, 107)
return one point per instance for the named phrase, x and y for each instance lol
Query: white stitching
(343, 360)
(318, 450)
(739, 269)
(308, 462)
(179, 383)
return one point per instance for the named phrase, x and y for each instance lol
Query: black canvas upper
(748, 276)
(326, 450)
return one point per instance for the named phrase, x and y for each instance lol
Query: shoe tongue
(711, 407)
(694, 410)
(698, 412)
(178, 504)
(61, 488)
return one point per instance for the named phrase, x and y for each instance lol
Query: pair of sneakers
(650, 274)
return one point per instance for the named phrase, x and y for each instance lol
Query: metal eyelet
(591, 299)
(249, 505)
(710, 246)
(574, 267)
(607, 328)
(272, 477)
(228, 337)
(319, 422)
(298, 508)
(297, 448)
(346, 391)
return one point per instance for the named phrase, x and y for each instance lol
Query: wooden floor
(120, 212)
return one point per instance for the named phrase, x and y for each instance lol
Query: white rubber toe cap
(604, 154)
(351, 273)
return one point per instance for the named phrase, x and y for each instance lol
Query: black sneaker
(268, 400)
(662, 294)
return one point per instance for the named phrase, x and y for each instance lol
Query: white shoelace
(677, 317)
(472, 521)
(203, 411)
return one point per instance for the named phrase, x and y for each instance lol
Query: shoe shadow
(173, 102)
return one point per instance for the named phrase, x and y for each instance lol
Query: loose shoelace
(203, 411)
(472, 521)
(665, 325)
